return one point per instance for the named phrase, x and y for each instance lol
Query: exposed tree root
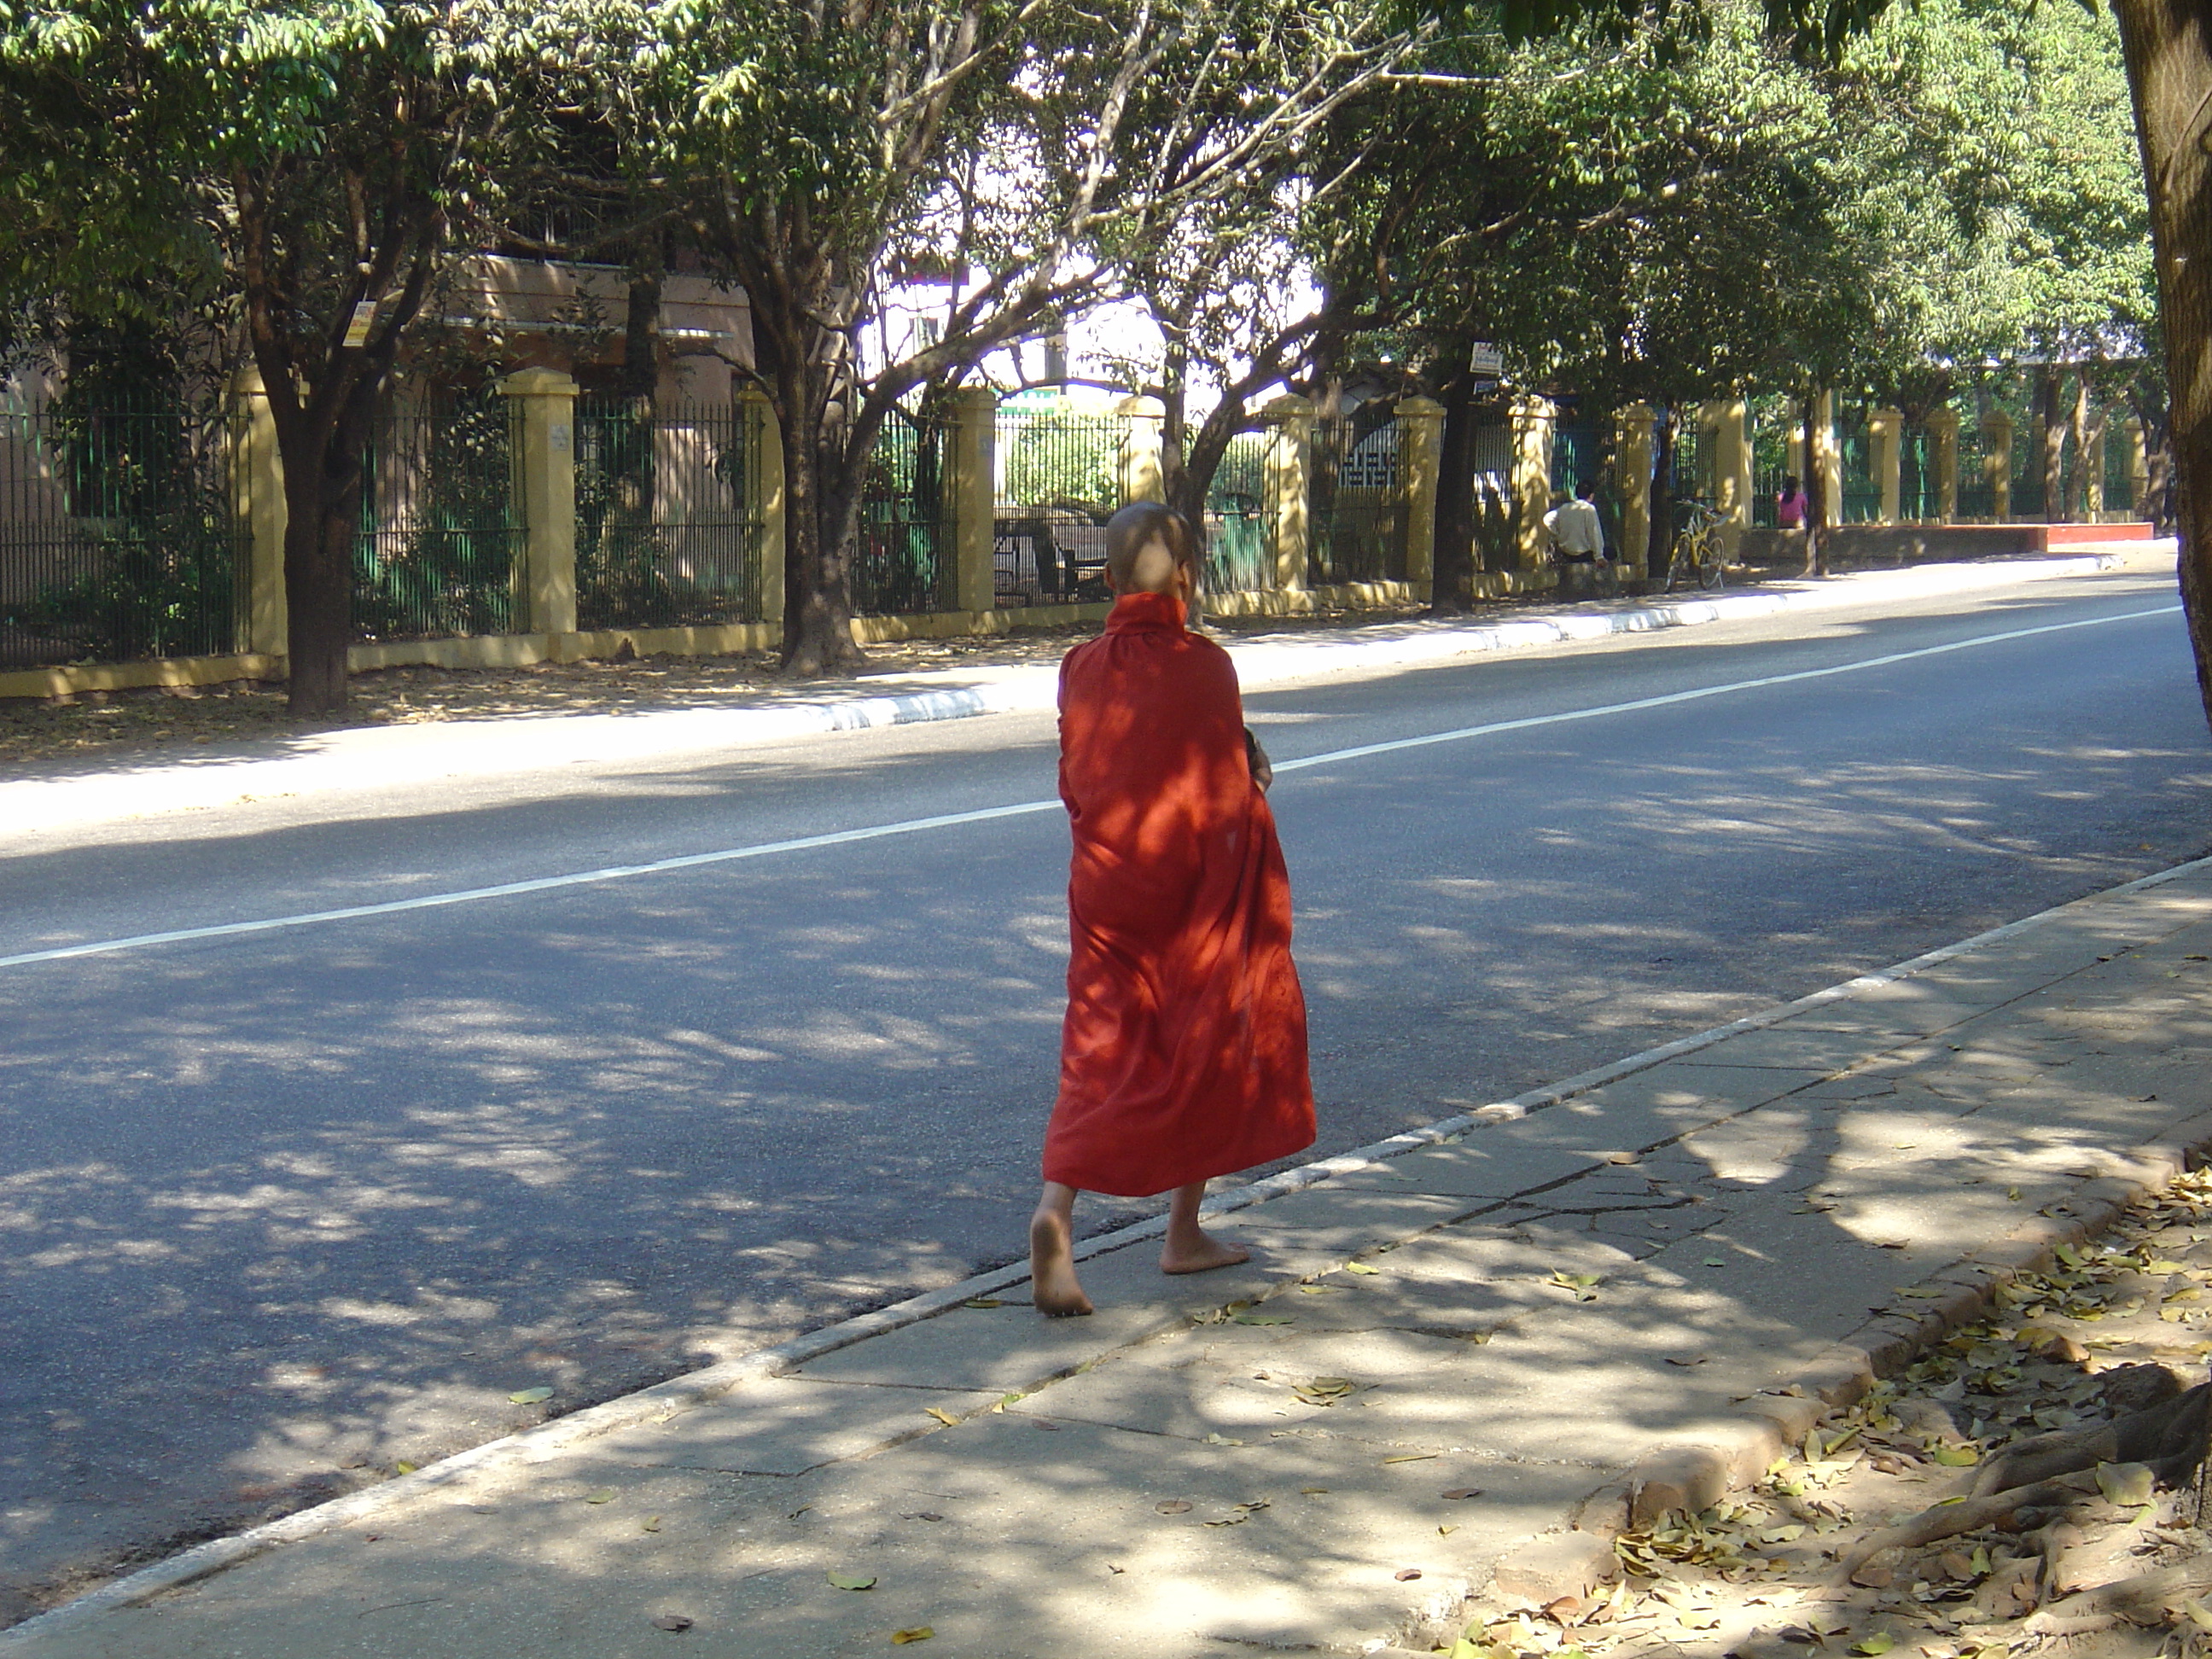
(1949, 1520)
(2170, 1437)
(2150, 1598)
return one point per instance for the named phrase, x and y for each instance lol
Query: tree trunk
(1816, 486)
(2077, 435)
(1661, 547)
(2049, 383)
(1453, 585)
(317, 592)
(2169, 59)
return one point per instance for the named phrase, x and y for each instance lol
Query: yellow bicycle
(1698, 552)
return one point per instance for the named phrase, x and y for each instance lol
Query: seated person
(1578, 534)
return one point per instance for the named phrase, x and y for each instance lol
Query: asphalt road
(284, 1209)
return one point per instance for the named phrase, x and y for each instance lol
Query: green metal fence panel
(668, 514)
(1917, 497)
(1976, 496)
(1237, 560)
(120, 537)
(1577, 450)
(1057, 486)
(1356, 521)
(1862, 502)
(440, 531)
(903, 562)
(1688, 473)
(1770, 459)
(2118, 456)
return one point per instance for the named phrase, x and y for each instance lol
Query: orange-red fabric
(1184, 1053)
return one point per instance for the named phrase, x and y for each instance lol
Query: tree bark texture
(1453, 575)
(1816, 486)
(2168, 47)
(2050, 429)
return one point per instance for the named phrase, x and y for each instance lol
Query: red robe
(1184, 1053)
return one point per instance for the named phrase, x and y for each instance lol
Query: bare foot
(1053, 1285)
(1199, 1255)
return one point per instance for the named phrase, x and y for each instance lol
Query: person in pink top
(1791, 505)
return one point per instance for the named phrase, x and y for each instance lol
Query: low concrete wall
(1853, 545)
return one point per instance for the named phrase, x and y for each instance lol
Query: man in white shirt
(1577, 533)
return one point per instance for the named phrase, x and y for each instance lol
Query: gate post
(1533, 420)
(1943, 459)
(1137, 469)
(1886, 459)
(1421, 445)
(1284, 489)
(1731, 460)
(972, 413)
(545, 491)
(1996, 429)
(1633, 468)
(765, 455)
(258, 489)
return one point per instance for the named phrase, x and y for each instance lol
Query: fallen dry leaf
(1407, 1575)
(917, 1633)
(1458, 1492)
(943, 1416)
(671, 1621)
(851, 1581)
(1174, 1506)
(651, 1524)
(530, 1396)
(602, 1495)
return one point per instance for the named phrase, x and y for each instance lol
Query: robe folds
(1183, 1056)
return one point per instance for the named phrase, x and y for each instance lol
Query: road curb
(523, 743)
(1837, 1377)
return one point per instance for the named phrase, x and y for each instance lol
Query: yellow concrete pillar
(545, 487)
(2138, 467)
(1421, 448)
(1996, 435)
(1828, 460)
(1632, 468)
(1727, 453)
(1137, 465)
(1943, 461)
(257, 479)
(2092, 463)
(1886, 459)
(1285, 488)
(972, 413)
(764, 457)
(1530, 489)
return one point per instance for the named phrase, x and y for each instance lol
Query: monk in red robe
(1184, 1053)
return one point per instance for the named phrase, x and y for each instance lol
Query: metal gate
(440, 529)
(668, 514)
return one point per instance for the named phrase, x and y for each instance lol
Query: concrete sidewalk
(362, 758)
(1445, 1345)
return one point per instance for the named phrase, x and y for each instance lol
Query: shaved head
(1147, 542)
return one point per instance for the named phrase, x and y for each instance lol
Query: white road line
(951, 820)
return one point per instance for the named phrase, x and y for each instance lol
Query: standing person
(1791, 508)
(1183, 1056)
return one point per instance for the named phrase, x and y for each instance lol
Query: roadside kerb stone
(386, 757)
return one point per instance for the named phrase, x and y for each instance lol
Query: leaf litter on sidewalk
(1974, 1506)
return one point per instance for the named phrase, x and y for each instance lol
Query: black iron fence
(440, 535)
(1356, 522)
(668, 514)
(1058, 484)
(120, 532)
(903, 561)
